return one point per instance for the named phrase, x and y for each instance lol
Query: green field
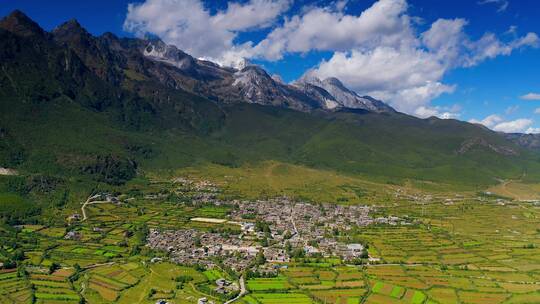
(452, 253)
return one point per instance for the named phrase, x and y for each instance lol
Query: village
(271, 233)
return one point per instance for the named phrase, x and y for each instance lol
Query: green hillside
(69, 124)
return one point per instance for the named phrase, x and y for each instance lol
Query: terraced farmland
(451, 253)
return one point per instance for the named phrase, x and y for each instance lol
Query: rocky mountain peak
(253, 75)
(158, 50)
(20, 24)
(112, 40)
(70, 25)
(333, 81)
(70, 31)
(342, 96)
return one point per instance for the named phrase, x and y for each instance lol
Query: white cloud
(489, 121)
(531, 96)
(489, 47)
(514, 126)
(497, 123)
(407, 78)
(191, 27)
(444, 39)
(537, 111)
(383, 24)
(502, 4)
(441, 112)
(532, 131)
(379, 52)
(254, 14)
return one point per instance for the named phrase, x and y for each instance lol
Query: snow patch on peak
(159, 51)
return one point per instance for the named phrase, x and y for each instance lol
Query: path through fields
(243, 291)
(89, 201)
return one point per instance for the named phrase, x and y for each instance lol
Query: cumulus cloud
(379, 52)
(489, 121)
(514, 126)
(452, 112)
(407, 78)
(537, 111)
(499, 124)
(530, 96)
(383, 24)
(191, 27)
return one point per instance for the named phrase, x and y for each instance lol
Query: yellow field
(517, 190)
(271, 178)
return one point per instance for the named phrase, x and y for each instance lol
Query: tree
(77, 267)
(288, 247)
(54, 266)
(364, 254)
(21, 270)
(18, 255)
(287, 235)
(298, 253)
(260, 259)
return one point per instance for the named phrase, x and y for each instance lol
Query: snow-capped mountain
(251, 83)
(343, 97)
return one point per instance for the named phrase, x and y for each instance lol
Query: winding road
(90, 201)
(243, 291)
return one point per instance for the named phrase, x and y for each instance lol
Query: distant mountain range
(252, 84)
(75, 104)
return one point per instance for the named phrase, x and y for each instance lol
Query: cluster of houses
(192, 247)
(283, 214)
(275, 227)
(224, 286)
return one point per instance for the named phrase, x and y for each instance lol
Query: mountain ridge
(139, 113)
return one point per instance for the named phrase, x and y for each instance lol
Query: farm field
(452, 253)
(517, 190)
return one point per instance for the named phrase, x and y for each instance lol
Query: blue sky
(465, 59)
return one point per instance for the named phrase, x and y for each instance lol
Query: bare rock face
(159, 51)
(528, 141)
(256, 86)
(342, 96)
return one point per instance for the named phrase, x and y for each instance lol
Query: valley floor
(452, 249)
